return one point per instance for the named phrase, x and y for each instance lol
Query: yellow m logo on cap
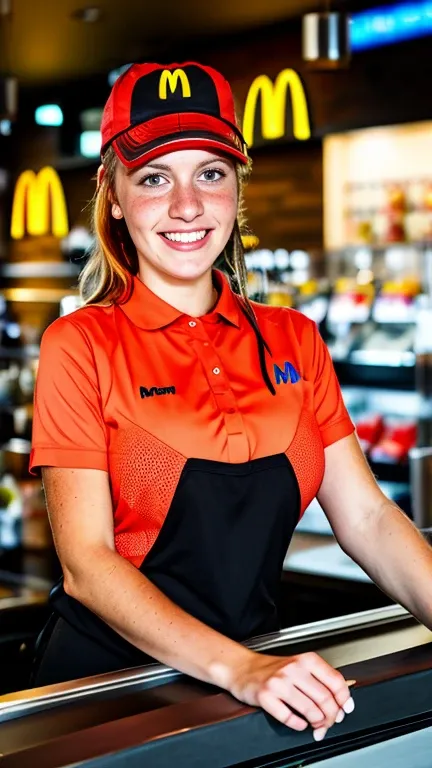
(171, 79)
(39, 205)
(273, 107)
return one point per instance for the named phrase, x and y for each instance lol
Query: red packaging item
(395, 443)
(369, 431)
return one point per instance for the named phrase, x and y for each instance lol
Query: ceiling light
(8, 98)
(5, 127)
(91, 119)
(5, 7)
(4, 183)
(90, 14)
(90, 143)
(326, 39)
(115, 74)
(49, 114)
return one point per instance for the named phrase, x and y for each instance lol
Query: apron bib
(219, 553)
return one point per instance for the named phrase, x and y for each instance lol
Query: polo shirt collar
(148, 311)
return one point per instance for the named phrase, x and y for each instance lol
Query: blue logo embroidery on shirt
(288, 375)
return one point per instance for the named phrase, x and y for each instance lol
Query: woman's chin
(189, 269)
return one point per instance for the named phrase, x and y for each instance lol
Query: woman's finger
(331, 678)
(277, 709)
(291, 694)
(322, 696)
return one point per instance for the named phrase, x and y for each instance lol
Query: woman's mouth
(186, 241)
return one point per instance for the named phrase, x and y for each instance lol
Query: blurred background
(335, 102)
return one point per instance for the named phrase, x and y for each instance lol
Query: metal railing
(37, 699)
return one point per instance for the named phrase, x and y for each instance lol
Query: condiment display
(388, 212)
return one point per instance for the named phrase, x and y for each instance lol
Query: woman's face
(180, 210)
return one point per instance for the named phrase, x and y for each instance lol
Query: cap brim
(174, 132)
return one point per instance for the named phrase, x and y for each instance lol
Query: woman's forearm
(396, 556)
(135, 608)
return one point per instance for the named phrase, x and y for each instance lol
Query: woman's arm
(81, 517)
(374, 531)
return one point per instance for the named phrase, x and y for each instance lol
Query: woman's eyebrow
(162, 167)
(157, 166)
(215, 160)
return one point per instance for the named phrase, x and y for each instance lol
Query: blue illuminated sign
(390, 24)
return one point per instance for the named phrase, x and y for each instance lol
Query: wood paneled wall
(284, 197)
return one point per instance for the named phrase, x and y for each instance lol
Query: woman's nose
(185, 203)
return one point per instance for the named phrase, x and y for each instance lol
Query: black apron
(218, 555)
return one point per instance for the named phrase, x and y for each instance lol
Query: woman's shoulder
(285, 318)
(88, 325)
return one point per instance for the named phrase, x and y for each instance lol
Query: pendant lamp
(326, 40)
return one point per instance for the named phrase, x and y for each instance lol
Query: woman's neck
(195, 298)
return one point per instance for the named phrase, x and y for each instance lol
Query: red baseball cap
(154, 109)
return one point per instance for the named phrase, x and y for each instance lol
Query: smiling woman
(179, 214)
(176, 459)
(189, 180)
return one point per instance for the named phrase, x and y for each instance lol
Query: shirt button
(231, 410)
(216, 371)
(192, 324)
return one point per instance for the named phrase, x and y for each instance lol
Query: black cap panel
(189, 89)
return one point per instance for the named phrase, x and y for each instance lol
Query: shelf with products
(387, 426)
(388, 401)
(12, 407)
(38, 295)
(401, 378)
(378, 185)
(28, 352)
(377, 248)
(35, 269)
(390, 473)
(388, 211)
(18, 370)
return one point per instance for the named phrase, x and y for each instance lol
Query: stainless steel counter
(158, 717)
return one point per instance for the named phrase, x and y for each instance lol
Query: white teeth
(185, 237)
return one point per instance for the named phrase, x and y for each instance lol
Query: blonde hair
(105, 279)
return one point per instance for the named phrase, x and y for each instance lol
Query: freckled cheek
(222, 204)
(143, 214)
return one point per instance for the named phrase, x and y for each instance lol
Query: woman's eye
(212, 174)
(153, 181)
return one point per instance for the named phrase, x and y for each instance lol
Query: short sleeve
(331, 414)
(68, 425)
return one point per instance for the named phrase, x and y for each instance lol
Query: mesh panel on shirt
(138, 544)
(149, 473)
(306, 454)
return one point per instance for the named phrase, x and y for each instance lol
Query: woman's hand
(296, 690)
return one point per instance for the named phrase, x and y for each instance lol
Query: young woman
(181, 431)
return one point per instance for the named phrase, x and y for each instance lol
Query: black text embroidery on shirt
(144, 392)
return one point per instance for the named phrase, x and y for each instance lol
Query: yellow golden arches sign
(39, 205)
(273, 107)
(171, 79)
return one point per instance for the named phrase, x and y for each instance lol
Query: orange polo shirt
(136, 389)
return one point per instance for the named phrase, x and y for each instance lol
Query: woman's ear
(116, 211)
